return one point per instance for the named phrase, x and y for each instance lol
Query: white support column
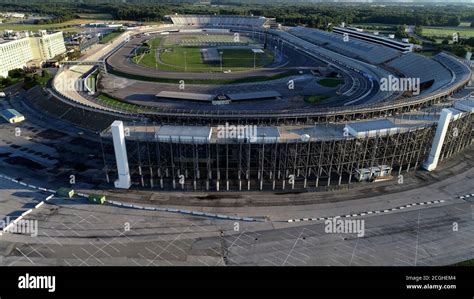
(120, 149)
(438, 140)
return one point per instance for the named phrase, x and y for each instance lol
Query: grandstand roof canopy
(219, 20)
(268, 132)
(465, 105)
(12, 116)
(355, 48)
(417, 66)
(183, 133)
(371, 128)
(186, 96)
(254, 95)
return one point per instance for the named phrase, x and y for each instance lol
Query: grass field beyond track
(464, 32)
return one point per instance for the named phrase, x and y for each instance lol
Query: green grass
(330, 82)
(30, 27)
(315, 99)
(149, 60)
(110, 37)
(232, 59)
(95, 16)
(92, 80)
(65, 26)
(468, 263)
(464, 32)
(205, 81)
(428, 53)
(33, 80)
(379, 26)
(9, 82)
(43, 80)
(107, 100)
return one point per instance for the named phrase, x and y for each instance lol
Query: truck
(65, 192)
(97, 199)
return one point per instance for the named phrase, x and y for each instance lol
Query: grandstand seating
(82, 118)
(369, 52)
(460, 70)
(416, 66)
(218, 20)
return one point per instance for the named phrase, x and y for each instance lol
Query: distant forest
(312, 15)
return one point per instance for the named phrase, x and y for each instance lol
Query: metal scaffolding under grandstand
(198, 164)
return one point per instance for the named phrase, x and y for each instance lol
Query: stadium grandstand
(319, 147)
(358, 49)
(458, 69)
(317, 157)
(431, 73)
(219, 21)
(84, 118)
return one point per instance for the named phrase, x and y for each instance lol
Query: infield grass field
(184, 56)
(315, 99)
(330, 82)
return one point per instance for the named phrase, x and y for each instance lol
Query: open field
(65, 26)
(447, 32)
(233, 59)
(179, 58)
(95, 16)
(463, 29)
(375, 25)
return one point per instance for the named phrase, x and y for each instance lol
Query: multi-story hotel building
(15, 53)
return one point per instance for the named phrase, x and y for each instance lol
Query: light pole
(185, 63)
(220, 54)
(281, 48)
(254, 58)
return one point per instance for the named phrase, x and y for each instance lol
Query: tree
(17, 73)
(418, 30)
(401, 32)
(469, 41)
(455, 21)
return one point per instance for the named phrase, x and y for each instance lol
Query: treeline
(59, 12)
(311, 15)
(319, 15)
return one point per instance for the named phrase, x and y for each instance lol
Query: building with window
(17, 50)
(375, 38)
